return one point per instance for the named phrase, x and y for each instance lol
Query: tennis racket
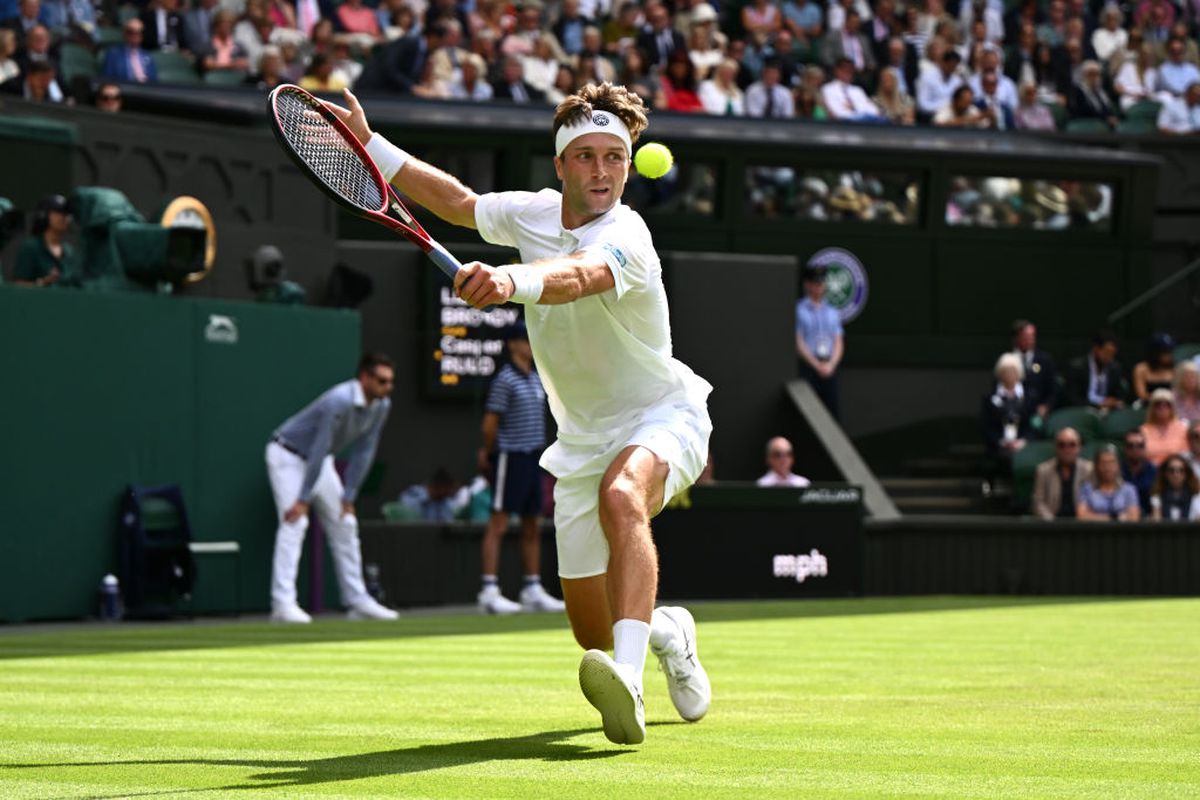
(322, 146)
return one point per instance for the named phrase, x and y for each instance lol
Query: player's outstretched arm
(551, 281)
(423, 183)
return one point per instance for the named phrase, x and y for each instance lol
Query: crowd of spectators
(1141, 429)
(1032, 64)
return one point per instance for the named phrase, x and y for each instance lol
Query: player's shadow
(547, 746)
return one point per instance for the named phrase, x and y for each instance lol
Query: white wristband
(527, 284)
(386, 156)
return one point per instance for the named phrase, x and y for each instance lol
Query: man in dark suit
(1097, 379)
(512, 86)
(163, 26)
(128, 62)
(25, 20)
(659, 39)
(850, 43)
(1089, 100)
(1041, 375)
(400, 65)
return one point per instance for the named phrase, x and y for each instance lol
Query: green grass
(929, 697)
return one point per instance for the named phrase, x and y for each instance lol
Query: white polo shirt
(604, 359)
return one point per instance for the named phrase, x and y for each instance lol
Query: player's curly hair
(618, 100)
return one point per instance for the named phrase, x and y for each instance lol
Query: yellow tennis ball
(653, 160)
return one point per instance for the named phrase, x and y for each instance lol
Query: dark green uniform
(35, 261)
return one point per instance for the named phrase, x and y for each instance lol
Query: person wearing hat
(936, 87)
(514, 436)
(1165, 432)
(819, 341)
(42, 258)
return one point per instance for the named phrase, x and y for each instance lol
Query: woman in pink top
(1165, 432)
(357, 18)
(224, 52)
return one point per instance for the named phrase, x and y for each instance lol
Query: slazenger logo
(221, 329)
(813, 565)
(599, 119)
(831, 496)
(617, 254)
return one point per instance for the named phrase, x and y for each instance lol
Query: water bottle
(110, 598)
(374, 587)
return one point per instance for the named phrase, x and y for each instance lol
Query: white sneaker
(687, 682)
(492, 602)
(290, 614)
(610, 687)
(368, 608)
(534, 597)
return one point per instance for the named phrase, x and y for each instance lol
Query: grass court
(877, 698)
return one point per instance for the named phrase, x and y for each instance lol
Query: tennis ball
(653, 160)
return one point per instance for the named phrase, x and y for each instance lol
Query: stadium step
(916, 487)
(939, 504)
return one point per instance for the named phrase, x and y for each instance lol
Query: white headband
(599, 122)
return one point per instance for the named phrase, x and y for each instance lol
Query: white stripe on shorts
(498, 489)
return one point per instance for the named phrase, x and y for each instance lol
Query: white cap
(599, 122)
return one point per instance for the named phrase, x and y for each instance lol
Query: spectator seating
(77, 61)
(1024, 465)
(174, 67)
(1121, 421)
(225, 77)
(1084, 420)
(1087, 126)
(1187, 351)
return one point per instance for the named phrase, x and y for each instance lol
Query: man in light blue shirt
(1175, 75)
(348, 417)
(819, 338)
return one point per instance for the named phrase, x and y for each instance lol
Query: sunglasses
(109, 98)
(1135, 445)
(779, 453)
(1175, 470)
(1066, 444)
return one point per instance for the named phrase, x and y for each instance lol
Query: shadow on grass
(550, 746)
(98, 639)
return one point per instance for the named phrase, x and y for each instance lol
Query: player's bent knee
(620, 499)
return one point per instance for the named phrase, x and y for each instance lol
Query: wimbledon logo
(845, 281)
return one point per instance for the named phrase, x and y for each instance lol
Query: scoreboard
(464, 347)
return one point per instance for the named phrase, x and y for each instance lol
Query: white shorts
(677, 431)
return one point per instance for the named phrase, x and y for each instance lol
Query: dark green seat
(174, 67)
(1025, 464)
(1121, 421)
(1083, 419)
(1186, 351)
(225, 77)
(1087, 126)
(76, 61)
(1144, 110)
(1137, 126)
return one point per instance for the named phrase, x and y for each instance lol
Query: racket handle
(446, 262)
(441, 256)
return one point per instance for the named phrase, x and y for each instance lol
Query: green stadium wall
(108, 390)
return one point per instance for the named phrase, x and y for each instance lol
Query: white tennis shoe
(534, 597)
(610, 687)
(673, 640)
(367, 608)
(290, 615)
(492, 602)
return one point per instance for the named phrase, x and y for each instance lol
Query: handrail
(845, 456)
(1153, 292)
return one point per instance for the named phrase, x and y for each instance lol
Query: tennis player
(633, 424)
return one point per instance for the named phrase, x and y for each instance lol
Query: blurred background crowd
(1082, 65)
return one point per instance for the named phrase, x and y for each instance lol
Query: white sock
(662, 629)
(630, 637)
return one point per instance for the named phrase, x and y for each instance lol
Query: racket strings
(328, 155)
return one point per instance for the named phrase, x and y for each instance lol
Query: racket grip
(446, 262)
(441, 256)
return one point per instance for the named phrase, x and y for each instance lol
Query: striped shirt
(520, 401)
(338, 419)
